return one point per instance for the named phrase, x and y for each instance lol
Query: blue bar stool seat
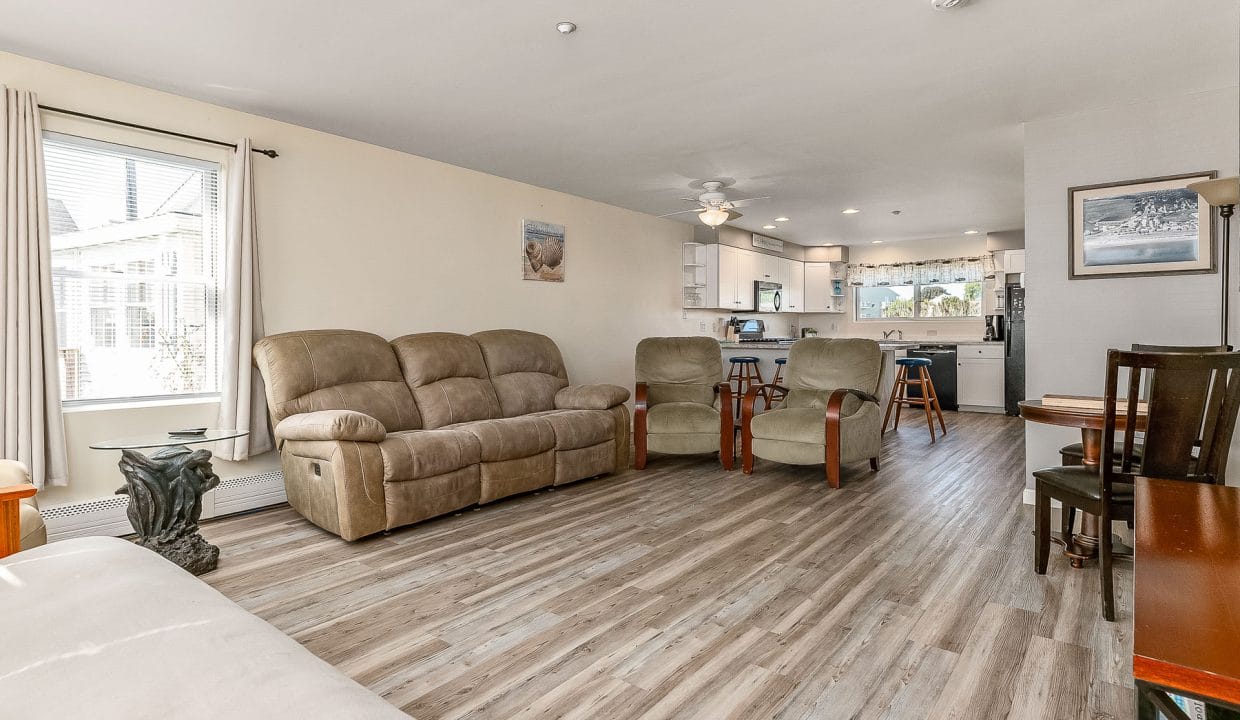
(928, 400)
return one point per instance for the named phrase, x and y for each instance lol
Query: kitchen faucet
(888, 333)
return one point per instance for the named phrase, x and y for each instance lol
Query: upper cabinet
(722, 277)
(729, 278)
(792, 277)
(825, 287)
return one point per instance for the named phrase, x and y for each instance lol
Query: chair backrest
(315, 370)
(679, 369)
(526, 369)
(448, 378)
(1191, 402)
(817, 366)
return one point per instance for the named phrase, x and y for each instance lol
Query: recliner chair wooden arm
(10, 516)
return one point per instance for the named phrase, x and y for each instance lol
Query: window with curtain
(922, 290)
(137, 249)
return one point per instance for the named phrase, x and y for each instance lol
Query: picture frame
(542, 251)
(1140, 228)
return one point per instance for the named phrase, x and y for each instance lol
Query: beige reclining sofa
(376, 434)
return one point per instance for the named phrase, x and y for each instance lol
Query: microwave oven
(767, 296)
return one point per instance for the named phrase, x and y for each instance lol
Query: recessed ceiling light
(566, 27)
(876, 242)
(971, 232)
(850, 211)
(781, 218)
(768, 227)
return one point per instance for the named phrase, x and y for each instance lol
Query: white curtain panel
(31, 425)
(243, 404)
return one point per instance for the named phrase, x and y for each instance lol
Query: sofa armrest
(590, 397)
(331, 425)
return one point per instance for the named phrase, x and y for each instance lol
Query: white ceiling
(824, 104)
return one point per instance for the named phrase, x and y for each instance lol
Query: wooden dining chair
(1074, 453)
(1191, 403)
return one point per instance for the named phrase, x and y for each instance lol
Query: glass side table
(165, 492)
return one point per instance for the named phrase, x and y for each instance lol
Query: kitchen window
(137, 249)
(930, 301)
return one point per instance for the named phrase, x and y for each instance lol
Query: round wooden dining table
(1084, 544)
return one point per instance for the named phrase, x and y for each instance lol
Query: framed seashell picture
(543, 251)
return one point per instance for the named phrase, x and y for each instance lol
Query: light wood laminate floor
(684, 591)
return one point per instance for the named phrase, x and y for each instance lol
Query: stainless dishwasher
(942, 373)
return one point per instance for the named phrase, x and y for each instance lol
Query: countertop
(884, 344)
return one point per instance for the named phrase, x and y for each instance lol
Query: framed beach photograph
(543, 251)
(1140, 227)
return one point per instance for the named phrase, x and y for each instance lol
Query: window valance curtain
(923, 272)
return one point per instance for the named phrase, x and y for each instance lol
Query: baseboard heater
(106, 516)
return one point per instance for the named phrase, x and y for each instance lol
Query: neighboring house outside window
(935, 301)
(136, 238)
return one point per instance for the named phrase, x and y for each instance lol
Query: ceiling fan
(716, 208)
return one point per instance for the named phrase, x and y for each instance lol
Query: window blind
(136, 267)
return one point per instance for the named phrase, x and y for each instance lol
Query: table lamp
(1224, 194)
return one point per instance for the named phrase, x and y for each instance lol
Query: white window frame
(917, 317)
(155, 145)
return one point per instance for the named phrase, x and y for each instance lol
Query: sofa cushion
(426, 453)
(335, 370)
(590, 397)
(682, 417)
(526, 370)
(331, 425)
(575, 429)
(448, 377)
(510, 438)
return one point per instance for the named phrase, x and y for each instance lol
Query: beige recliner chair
(830, 414)
(14, 488)
(681, 406)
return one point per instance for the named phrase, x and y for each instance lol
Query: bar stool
(899, 396)
(743, 373)
(774, 395)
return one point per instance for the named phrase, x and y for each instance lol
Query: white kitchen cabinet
(979, 376)
(1014, 261)
(729, 278)
(768, 267)
(792, 277)
(825, 287)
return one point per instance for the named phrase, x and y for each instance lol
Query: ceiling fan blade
(681, 212)
(745, 201)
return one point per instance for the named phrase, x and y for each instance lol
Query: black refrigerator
(1014, 350)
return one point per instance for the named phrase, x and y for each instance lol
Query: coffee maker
(994, 327)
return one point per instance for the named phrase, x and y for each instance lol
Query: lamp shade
(715, 216)
(1223, 191)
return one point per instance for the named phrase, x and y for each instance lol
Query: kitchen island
(768, 352)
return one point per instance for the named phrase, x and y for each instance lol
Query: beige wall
(358, 236)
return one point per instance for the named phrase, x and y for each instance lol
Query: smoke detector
(947, 4)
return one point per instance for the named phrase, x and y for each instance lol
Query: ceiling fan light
(715, 217)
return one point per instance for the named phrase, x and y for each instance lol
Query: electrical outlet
(835, 327)
(684, 314)
(701, 326)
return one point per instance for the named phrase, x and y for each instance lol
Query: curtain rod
(74, 113)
